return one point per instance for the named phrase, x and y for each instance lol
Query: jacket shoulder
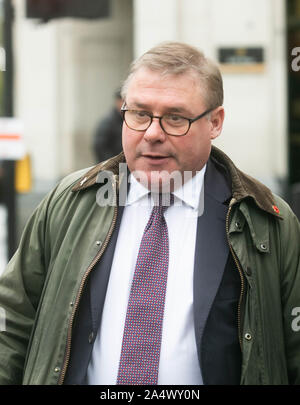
(67, 182)
(284, 209)
(63, 188)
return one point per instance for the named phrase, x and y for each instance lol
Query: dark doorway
(293, 49)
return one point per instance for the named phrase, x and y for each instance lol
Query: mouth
(155, 158)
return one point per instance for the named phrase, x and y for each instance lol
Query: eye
(175, 120)
(140, 115)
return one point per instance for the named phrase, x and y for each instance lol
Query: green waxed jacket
(42, 285)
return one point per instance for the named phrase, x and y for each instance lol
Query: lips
(154, 156)
(155, 159)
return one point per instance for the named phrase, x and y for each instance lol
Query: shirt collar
(189, 192)
(136, 191)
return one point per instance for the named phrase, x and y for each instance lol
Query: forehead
(147, 86)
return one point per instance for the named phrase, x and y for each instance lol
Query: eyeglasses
(172, 124)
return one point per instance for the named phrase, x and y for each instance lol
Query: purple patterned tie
(140, 351)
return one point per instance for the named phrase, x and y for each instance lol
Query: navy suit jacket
(217, 287)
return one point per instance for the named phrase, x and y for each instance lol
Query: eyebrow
(176, 109)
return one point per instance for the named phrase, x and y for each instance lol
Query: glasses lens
(175, 125)
(137, 120)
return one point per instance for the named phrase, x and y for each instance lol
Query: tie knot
(163, 201)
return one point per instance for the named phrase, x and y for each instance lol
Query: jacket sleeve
(20, 288)
(290, 290)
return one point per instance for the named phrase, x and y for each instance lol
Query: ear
(216, 121)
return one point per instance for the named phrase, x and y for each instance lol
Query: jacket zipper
(239, 269)
(89, 269)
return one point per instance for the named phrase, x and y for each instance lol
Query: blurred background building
(69, 57)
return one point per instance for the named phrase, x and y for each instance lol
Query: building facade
(66, 72)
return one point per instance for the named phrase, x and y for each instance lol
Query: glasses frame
(190, 120)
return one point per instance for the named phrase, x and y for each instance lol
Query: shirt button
(91, 337)
(57, 369)
(248, 336)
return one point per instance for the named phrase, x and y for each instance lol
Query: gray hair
(176, 58)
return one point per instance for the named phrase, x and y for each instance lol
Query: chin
(164, 181)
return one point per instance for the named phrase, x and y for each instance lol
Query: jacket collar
(243, 185)
(90, 177)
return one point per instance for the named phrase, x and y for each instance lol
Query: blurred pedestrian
(107, 140)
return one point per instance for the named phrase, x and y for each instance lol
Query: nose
(155, 133)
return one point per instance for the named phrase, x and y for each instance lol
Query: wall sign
(12, 146)
(241, 60)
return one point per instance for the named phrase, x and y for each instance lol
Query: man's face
(153, 150)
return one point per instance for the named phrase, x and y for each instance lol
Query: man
(206, 291)
(107, 139)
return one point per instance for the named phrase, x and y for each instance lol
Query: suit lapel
(100, 278)
(212, 250)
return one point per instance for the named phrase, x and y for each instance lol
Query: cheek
(127, 141)
(193, 153)
(187, 149)
(130, 144)
(124, 136)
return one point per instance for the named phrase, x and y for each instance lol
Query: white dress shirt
(179, 363)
